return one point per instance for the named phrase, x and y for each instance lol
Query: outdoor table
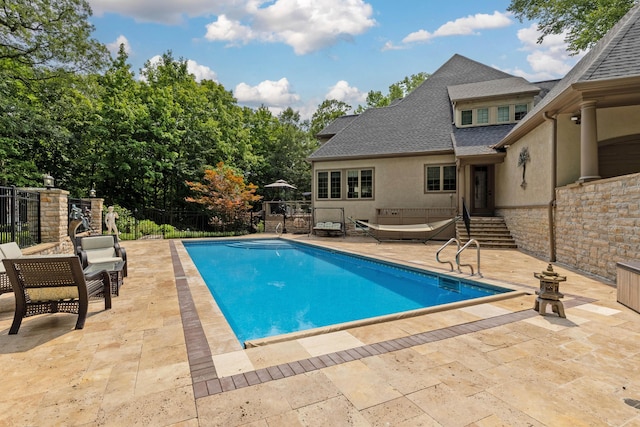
(114, 268)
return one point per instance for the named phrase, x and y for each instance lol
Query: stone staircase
(490, 232)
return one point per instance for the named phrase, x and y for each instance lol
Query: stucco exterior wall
(538, 189)
(618, 121)
(397, 183)
(525, 208)
(597, 224)
(568, 150)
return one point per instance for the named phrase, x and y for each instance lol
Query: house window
(329, 185)
(521, 111)
(360, 184)
(482, 115)
(467, 117)
(335, 185)
(323, 185)
(503, 114)
(441, 178)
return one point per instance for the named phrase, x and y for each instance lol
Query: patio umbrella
(284, 185)
(280, 183)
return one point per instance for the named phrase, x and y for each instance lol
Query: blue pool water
(270, 287)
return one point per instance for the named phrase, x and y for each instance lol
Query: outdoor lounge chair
(7, 250)
(101, 249)
(52, 284)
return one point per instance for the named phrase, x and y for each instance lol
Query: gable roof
(419, 123)
(615, 56)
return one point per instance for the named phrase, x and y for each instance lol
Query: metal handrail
(466, 245)
(279, 233)
(451, 240)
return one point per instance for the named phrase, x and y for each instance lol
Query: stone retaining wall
(529, 227)
(598, 224)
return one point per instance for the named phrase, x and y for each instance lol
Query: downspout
(552, 203)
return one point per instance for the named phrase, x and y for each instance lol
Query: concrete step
(490, 232)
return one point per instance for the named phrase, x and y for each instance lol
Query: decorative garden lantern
(549, 292)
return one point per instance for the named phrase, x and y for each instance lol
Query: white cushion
(102, 253)
(96, 242)
(10, 250)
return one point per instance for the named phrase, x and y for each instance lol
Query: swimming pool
(268, 287)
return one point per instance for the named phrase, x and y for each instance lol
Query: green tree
(49, 35)
(585, 21)
(328, 111)
(398, 90)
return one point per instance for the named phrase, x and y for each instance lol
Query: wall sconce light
(47, 180)
(576, 119)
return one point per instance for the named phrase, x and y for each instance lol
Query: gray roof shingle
(500, 87)
(337, 125)
(419, 123)
(478, 140)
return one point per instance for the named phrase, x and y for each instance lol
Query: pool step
(490, 232)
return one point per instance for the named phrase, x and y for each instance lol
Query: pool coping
(205, 379)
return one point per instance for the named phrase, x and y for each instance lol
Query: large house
(558, 161)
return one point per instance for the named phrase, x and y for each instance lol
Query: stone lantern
(549, 292)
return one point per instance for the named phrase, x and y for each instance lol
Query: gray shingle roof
(336, 125)
(616, 55)
(419, 123)
(478, 140)
(501, 87)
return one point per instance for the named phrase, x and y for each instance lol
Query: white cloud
(114, 47)
(201, 72)
(390, 46)
(305, 25)
(468, 25)
(273, 94)
(342, 91)
(226, 30)
(462, 27)
(162, 11)
(549, 59)
(308, 26)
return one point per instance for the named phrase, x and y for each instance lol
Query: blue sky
(296, 53)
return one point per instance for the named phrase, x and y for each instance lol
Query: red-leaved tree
(224, 192)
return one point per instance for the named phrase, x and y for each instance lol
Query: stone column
(96, 214)
(588, 142)
(54, 217)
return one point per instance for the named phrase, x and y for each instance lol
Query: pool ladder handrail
(279, 233)
(466, 245)
(451, 240)
(458, 252)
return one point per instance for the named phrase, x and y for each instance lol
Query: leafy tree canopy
(48, 35)
(398, 90)
(328, 111)
(224, 192)
(585, 21)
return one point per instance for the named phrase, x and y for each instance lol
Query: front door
(482, 201)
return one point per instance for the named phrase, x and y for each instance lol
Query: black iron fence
(19, 216)
(177, 223)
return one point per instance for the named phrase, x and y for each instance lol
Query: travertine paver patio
(165, 356)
